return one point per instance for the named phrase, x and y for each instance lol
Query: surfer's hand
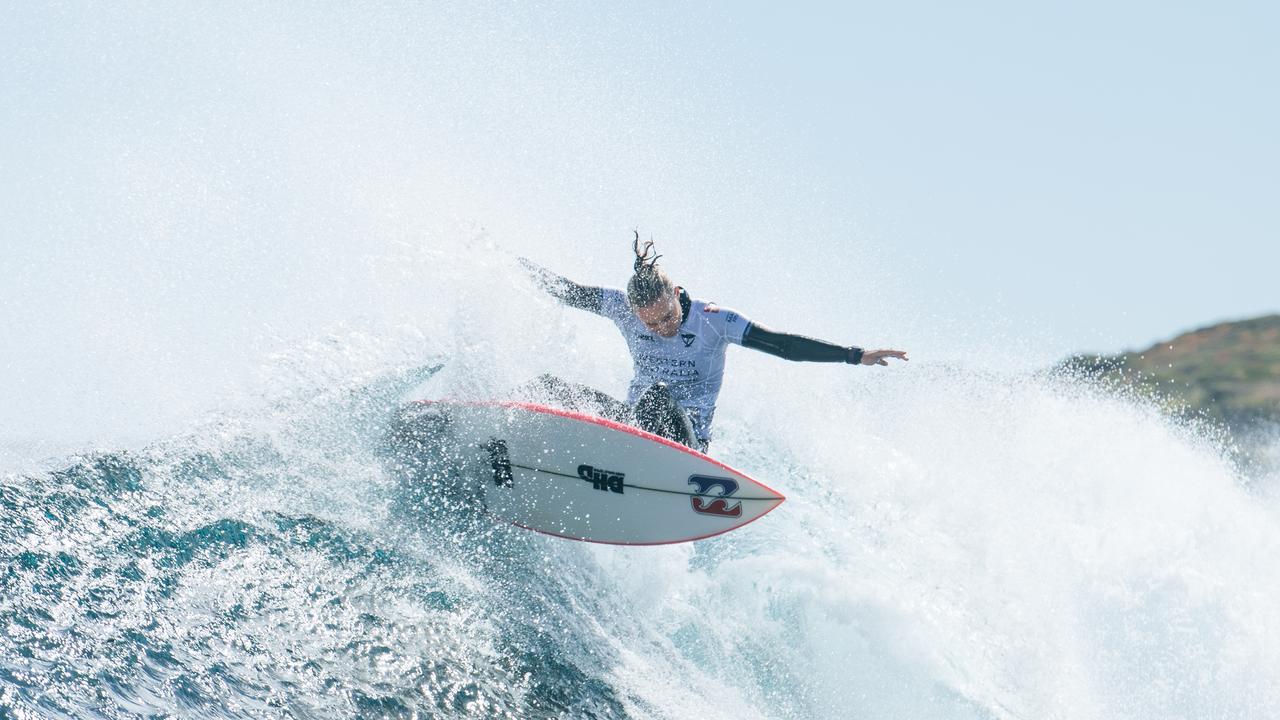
(540, 275)
(877, 357)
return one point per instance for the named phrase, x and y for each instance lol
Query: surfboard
(587, 478)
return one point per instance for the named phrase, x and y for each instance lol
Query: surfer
(677, 346)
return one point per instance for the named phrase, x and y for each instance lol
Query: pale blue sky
(182, 187)
(1110, 168)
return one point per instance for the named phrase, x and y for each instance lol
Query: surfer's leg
(659, 413)
(553, 391)
(544, 388)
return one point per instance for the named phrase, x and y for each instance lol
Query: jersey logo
(731, 317)
(688, 339)
(646, 337)
(715, 505)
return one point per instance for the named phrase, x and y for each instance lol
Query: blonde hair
(649, 283)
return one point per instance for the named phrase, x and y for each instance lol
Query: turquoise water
(960, 562)
(246, 580)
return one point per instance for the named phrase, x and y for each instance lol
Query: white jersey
(691, 362)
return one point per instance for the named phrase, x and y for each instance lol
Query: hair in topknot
(649, 283)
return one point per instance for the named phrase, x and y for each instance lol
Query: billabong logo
(602, 479)
(688, 339)
(716, 505)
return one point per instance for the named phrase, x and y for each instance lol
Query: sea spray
(957, 544)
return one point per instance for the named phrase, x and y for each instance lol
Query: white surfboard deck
(585, 478)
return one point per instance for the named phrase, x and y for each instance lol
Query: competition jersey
(691, 362)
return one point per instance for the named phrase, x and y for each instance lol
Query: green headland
(1228, 372)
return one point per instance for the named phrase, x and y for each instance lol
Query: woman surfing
(677, 345)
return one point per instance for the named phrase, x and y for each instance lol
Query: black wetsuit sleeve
(583, 297)
(798, 347)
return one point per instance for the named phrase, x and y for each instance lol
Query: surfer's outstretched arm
(806, 349)
(583, 297)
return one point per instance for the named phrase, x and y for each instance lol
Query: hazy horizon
(187, 190)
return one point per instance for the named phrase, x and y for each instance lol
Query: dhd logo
(602, 479)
